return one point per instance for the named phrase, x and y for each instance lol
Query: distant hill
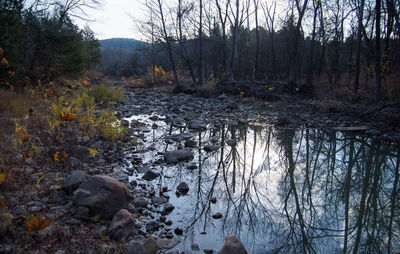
(122, 43)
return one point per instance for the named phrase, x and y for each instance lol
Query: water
(282, 190)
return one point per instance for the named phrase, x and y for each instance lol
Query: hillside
(122, 43)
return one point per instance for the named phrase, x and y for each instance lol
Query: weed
(102, 93)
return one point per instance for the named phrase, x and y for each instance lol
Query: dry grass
(13, 106)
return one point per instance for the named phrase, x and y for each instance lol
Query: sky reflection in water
(283, 190)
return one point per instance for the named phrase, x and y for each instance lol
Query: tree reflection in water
(290, 191)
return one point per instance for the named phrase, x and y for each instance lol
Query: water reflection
(284, 190)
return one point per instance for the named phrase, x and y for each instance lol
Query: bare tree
(360, 15)
(301, 6)
(378, 95)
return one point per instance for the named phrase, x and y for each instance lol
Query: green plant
(102, 93)
(109, 126)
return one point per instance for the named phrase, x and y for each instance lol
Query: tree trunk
(257, 39)
(200, 79)
(311, 54)
(169, 47)
(294, 60)
(358, 52)
(378, 95)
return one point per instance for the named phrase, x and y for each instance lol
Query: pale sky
(113, 19)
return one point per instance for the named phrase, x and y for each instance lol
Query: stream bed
(279, 190)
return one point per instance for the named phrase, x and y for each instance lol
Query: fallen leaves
(66, 116)
(38, 222)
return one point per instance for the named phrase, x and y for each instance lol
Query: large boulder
(122, 225)
(178, 155)
(103, 195)
(233, 246)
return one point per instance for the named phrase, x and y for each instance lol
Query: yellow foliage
(56, 157)
(2, 177)
(4, 61)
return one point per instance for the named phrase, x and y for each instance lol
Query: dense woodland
(318, 42)
(40, 41)
(324, 43)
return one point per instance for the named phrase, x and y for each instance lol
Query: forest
(214, 126)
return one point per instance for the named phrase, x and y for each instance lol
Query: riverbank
(53, 203)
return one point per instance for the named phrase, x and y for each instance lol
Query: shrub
(105, 94)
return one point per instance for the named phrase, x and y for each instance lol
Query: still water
(280, 190)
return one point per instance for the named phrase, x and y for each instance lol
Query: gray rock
(169, 208)
(232, 105)
(80, 152)
(152, 225)
(231, 142)
(190, 143)
(150, 175)
(196, 124)
(183, 188)
(74, 179)
(232, 246)
(103, 195)
(178, 155)
(210, 148)
(159, 200)
(217, 216)
(150, 245)
(122, 225)
(178, 137)
(167, 244)
(140, 202)
(82, 212)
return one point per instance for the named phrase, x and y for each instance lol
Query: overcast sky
(113, 19)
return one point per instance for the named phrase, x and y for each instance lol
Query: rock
(178, 137)
(183, 188)
(192, 166)
(233, 246)
(217, 216)
(80, 152)
(152, 225)
(231, 142)
(103, 195)
(5, 223)
(159, 200)
(213, 200)
(74, 179)
(196, 124)
(48, 232)
(140, 202)
(178, 231)
(190, 143)
(210, 148)
(208, 251)
(178, 155)
(150, 245)
(195, 247)
(82, 212)
(122, 225)
(169, 208)
(232, 105)
(167, 244)
(150, 175)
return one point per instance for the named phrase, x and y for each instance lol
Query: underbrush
(105, 94)
(39, 124)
